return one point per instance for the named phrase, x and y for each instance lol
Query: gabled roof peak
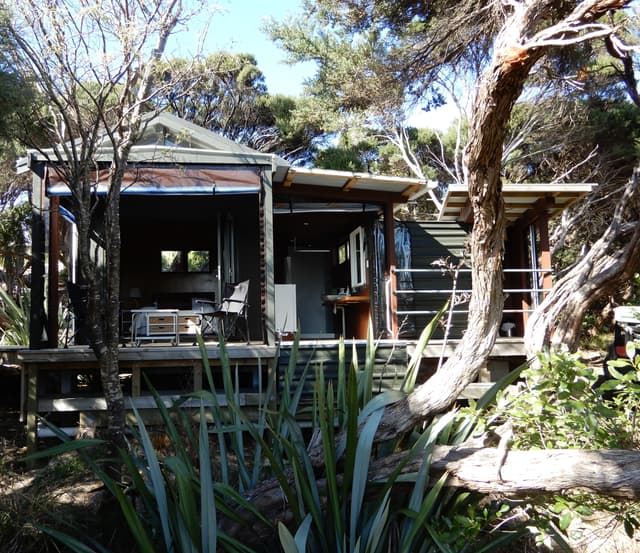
(165, 129)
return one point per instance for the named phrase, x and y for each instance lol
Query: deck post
(38, 241)
(135, 380)
(197, 376)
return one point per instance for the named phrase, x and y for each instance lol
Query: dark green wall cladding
(390, 364)
(431, 241)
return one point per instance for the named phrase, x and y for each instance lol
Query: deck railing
(536, 292)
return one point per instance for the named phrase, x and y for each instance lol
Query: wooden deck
(83, 354)
(64, 383)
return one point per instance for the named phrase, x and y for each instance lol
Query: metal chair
(232, 308)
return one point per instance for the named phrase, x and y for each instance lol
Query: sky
(236, 26)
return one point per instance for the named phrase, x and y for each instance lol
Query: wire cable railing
(536, 291)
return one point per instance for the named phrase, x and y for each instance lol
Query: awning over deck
(170, 179)
(518, 199)
(317, 182)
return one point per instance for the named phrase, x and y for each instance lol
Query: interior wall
(140, 258)
(152, 224)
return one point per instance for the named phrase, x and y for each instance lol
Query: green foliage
(14, 246)
(557, 406)
(593, 121)
(226, 93)
(14, 319)
(358, 157)
(400, 510)
(624, 390)
(175, 498)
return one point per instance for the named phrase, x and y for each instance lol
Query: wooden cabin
(321, 251)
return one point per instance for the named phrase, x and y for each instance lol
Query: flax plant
(172, 501)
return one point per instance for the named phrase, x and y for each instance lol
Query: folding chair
(233, 307)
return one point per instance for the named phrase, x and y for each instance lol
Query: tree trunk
(601, 271)
(520, 44)
(499, 89)
(102, 312)
(612, 473)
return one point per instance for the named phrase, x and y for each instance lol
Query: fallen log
(613, 473)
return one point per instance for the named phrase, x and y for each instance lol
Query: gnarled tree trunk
(500, 87)
(524, 40)
(613, 473)
(613, 259)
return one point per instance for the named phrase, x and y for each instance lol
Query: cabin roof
(518, 199)
(197, 151)
(167, 139)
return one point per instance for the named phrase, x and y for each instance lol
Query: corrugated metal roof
(518, 199)
(346, 181)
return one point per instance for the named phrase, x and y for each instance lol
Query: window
(343, 253)
(358, 258)
(198, 261)
(181, 261)
(171, 261)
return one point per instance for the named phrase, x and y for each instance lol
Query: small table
(339, 302)
(155, 324)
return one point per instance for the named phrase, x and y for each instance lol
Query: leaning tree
(92, 64)
(419, 41)
(610, 261)
(525, 32)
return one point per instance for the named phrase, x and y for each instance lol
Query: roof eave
(398, 189)
(455, 205)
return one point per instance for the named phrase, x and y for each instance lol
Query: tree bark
(109, 360)
(520, 44)
(81, 119)
(500, 87)
(612, 473)
(600, 272)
